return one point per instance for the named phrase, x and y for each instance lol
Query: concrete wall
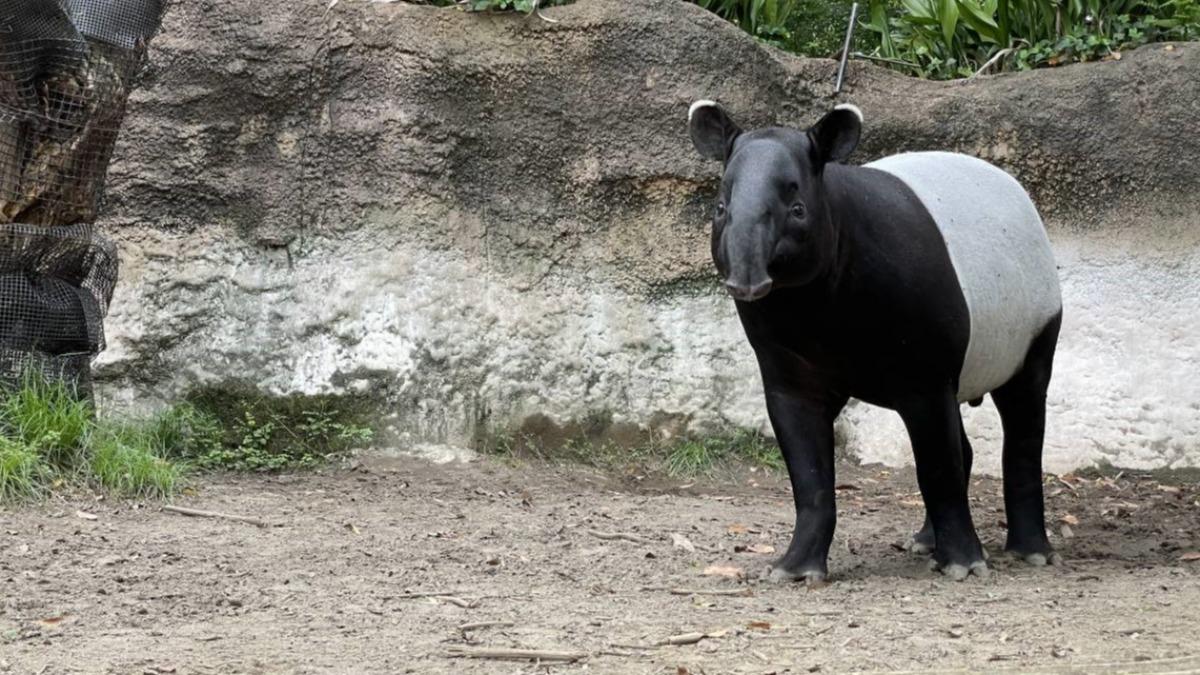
(485, 223)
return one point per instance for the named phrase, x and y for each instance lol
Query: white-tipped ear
(712, 130)
(702, 103)
(835, 136)
(852, 108)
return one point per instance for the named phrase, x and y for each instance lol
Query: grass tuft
(129, 461)
(22, 473)
(49, 417)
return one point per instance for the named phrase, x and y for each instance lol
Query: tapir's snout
(748, 293)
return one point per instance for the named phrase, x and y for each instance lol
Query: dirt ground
(337, 584)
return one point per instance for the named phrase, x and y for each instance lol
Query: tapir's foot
(961, 561)
(1038, 556)
(779, 575)
(960, 571)
(782, 573)
(921, 543)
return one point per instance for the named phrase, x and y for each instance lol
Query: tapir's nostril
(748, 293)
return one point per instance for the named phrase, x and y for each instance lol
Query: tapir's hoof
(1042, 559)
(811, 578)
(958, 571)
(917, 547)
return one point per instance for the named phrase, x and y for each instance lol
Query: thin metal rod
(837, 89)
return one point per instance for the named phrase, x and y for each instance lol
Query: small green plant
(128, 461)
(22, 472)
(243, 431)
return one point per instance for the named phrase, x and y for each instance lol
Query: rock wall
(487, 223)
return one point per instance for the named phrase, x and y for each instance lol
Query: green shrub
(244, 431)
(818, 28)
(956, 38)
(764, 19)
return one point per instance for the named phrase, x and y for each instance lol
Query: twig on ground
(465, 604)
(516, 654)
(745, 592)
(682, 639)
(610, 536)
(214, 514)
(423, 594)
(618, 645)
(484, 624)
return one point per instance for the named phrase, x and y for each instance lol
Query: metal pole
(837, 89)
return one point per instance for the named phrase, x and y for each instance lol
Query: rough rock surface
(487, 221)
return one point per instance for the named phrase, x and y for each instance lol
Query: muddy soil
(338, 583)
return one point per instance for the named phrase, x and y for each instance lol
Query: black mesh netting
(66, 70)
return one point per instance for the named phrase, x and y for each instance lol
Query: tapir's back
(1000, 252)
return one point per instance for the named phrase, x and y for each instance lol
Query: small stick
(484, 624)
(214, 514)
(516, 654)
(619, 535)
(456, 601)
(746, 592)
(538, 10)
(422, 594)
(990, 62)
(684, 639)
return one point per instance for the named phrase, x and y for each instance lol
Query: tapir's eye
(720, 213)
(798, 210)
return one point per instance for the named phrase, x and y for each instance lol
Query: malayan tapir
(916, 282)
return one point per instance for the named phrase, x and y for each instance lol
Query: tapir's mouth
(748, 292)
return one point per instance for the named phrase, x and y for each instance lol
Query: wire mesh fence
(66, 70)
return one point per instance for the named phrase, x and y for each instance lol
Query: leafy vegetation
(956, 38)
(764, 19)
(50, 437)
(945, 39)
(245, 431)
(818, 28)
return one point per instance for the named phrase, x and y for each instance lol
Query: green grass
(22, 473)
(130, 460)
(700, 456)
(51, 437)
(47, 416)
(681, 458)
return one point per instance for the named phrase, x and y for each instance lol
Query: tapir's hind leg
(1022, 405)
(924, 542)
(935, 427)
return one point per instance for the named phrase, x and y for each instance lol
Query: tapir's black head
(771, 224)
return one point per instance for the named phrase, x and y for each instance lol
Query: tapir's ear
(836, 135)
(712, 130)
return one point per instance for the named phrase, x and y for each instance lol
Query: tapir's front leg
(803, 425)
